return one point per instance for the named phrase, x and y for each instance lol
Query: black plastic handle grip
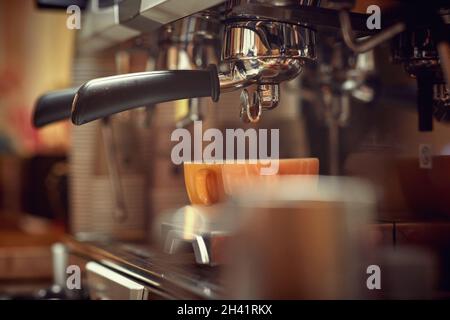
(102, 97)
(53, 106)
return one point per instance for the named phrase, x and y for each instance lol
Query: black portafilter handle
(103, 97)
(53, 106)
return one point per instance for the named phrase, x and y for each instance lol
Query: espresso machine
(208, 51)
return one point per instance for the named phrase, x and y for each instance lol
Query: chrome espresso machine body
(197, 49)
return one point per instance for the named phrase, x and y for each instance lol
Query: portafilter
(255, 50)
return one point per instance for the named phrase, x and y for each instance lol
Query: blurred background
(57, 182)
(36, 55)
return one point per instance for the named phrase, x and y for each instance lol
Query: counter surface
(174, 276)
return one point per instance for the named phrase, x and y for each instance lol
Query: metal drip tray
(208, 246)
(163, 275)
(205, 231)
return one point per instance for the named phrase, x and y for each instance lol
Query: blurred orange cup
(207, 184)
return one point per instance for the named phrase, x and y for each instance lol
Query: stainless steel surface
(269, 95)
(251, 109)
(106, 284)
(266, 97)
(265, 52)
(208, 246)
(200, 230)
(174, 236)
(106, 27)
(102, 29)
(167, 11)
(314, 13)
(164, 276)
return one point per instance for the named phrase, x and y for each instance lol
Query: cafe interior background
(106, 197)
